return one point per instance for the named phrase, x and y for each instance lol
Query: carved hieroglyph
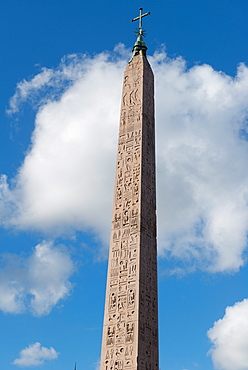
(130, 333)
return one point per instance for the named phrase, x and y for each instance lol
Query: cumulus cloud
(229, 336)
(35, 355)
(71, 160)
(202, 154)
(35, 283)
(66, 180)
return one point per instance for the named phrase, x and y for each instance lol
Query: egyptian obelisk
(130, 332)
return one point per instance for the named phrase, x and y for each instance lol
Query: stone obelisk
(130, 332)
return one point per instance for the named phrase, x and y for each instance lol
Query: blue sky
(62, 65)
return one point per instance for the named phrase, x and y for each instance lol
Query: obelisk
(130, 332)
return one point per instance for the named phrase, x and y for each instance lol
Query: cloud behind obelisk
(65, 183)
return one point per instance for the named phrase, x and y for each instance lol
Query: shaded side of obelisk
(130, 333)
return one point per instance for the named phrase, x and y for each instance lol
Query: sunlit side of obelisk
(130, 332)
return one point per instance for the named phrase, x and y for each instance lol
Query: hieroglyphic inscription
(130, 321)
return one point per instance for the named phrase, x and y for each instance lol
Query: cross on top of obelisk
(140, 17)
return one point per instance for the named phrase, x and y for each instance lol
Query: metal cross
(140, 32)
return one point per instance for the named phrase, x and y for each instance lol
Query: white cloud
(71, 162)
(35, 355)
(49, 84)
(66, 180)
(202, 177)
(229, 336)
(35, 283)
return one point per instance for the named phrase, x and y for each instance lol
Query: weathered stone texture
(130, 333)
